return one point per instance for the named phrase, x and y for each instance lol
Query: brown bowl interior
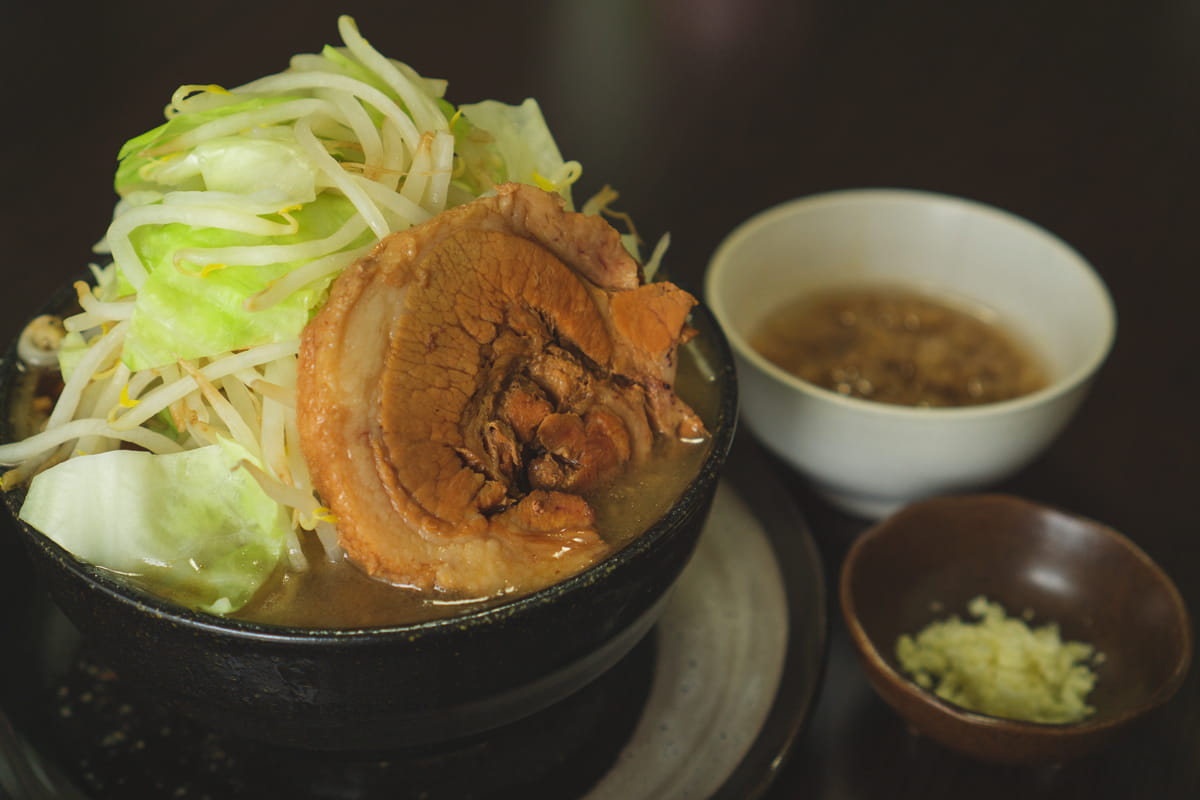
(930, 559)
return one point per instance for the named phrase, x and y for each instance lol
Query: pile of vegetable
(172, 451)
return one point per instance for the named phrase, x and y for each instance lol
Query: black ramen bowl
(378, 688)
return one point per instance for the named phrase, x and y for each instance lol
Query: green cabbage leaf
(183, 311)
(191, 523)
(518, 147)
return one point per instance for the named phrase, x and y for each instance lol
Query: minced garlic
(998, 665)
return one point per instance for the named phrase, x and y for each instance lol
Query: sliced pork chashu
(472, 378)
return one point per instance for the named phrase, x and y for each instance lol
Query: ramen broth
(895, 345)
(339, 595)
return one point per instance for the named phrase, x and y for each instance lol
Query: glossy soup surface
(894, 345)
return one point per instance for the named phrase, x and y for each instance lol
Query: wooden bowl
(929, 559)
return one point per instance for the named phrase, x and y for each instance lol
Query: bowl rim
(880, 668)
(720, 263)
(145, 602)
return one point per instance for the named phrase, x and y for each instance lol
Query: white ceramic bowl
(871, 458)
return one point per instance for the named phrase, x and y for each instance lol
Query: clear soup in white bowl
(871, 457)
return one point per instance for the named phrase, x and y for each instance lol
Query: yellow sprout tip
(211, 88)
(543, 182)
(125, 400)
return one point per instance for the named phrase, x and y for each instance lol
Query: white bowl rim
(1063, 385)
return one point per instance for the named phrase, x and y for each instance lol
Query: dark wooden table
(1083, 116)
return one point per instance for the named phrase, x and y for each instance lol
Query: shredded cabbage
(233, 218)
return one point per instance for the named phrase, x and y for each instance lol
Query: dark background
(1081, 116)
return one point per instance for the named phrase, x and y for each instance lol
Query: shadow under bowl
(928, 560)
(370, 689)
